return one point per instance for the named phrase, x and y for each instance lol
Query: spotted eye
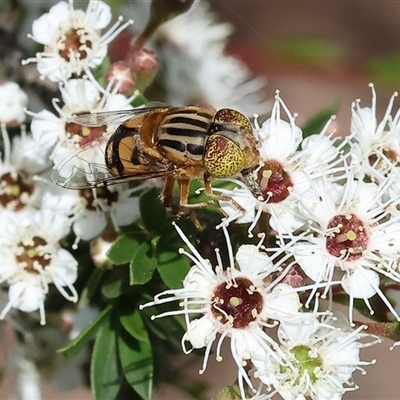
(222, 157)
(226, 116)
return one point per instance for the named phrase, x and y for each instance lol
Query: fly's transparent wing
(85, 167)
(110, 117)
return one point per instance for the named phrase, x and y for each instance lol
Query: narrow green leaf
(316, 123)
(309, 51)
(152, 210)
(142, 265)
(137, 363)
(172, 267)
(92, 285)
(105, 369)
(123, 248)
(117, 283)
(386, 69)
(139, 100)
(76, 345)
(133, 324)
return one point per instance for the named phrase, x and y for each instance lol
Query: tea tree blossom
(236, 302)
(284, 172)
(13, 101)
(72, 39)
(91, 211)
(32, 258)
(22, 160)
(376, 142)
(324, 355)
(198, 60)
(350, 230)
(58, 133)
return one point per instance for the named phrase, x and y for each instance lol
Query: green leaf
(123, 248)
(137, 363)
(105, 369)
(142, 265)
(133, 324)
(139, 100)
(101, 71)
(92, 285)
(172, 267)
(76, 345)
(317, 123)
(386, 69)
(152, 210)
(117, 283)
(311, 51)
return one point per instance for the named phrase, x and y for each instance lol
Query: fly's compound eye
(222, 157)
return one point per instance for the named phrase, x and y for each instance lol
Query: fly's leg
(219, 197)
(185, 186)
(166, 196)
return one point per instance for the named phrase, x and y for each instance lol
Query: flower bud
(124, 77)
(144, 64)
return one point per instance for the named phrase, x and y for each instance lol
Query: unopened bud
(123, 76)
(98, 251)
(144, 64)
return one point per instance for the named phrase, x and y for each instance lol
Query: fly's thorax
(182, 135)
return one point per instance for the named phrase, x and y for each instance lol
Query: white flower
(196, 70)
(32, 258)
(22, 160)
(283, 175)
(350, 230)
(323, 358)
(375, 144)
(72, 39)
(91, 210)
(56, 133)
(13, 101)
(239, 303)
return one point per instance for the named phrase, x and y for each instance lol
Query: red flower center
(31, 256)
(101, 193)
(237, 303)
(347, 237)
(15, 190)
(74, 45)
(84, 134)
(274, 181)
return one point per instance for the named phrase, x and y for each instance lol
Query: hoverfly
(178, 143)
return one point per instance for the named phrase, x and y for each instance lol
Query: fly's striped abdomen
(183, 134)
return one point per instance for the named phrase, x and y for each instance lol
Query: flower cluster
(324, 209)
(334, 215)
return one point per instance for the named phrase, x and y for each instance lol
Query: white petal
(283, 221)
(90, 225)
(279, 140)
(125, 211)
(64, 268)
(282, 300)
(26, 295)
(199, 332)
(312, 259)
(360, 283)
(251, 261)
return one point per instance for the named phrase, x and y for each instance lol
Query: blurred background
(318, 54)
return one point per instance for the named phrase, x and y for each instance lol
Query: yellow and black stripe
(183, 134)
